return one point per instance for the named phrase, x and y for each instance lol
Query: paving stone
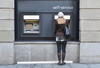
(61, 66)
(37, 66)
(94, 65)
(23, 66)
(73, 65)
(7, 66)
(79, 66)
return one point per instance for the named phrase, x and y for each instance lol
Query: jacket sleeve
(55, 23)
(67, 22)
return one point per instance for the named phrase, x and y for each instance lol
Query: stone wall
(90, 31)
(44, 51)
(6, 31)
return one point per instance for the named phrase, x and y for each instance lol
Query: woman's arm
(55, 26)
(67, 23)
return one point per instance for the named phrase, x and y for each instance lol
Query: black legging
(61, 46)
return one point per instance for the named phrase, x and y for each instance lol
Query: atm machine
(35, 19)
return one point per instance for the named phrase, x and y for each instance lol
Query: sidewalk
(68, 65)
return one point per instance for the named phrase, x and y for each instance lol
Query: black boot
(63, 58)
(59, 59)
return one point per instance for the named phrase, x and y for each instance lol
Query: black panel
(46, 13)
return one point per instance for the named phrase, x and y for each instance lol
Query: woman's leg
(59, 51)
(63, 51)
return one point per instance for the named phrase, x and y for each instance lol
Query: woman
(60, 37)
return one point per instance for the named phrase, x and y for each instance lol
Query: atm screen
(31, 23)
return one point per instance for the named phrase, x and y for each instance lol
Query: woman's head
(60, 14)
(61, 19)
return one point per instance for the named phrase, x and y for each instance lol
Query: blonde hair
(61, 20)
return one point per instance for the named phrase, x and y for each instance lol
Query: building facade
(15, 47)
